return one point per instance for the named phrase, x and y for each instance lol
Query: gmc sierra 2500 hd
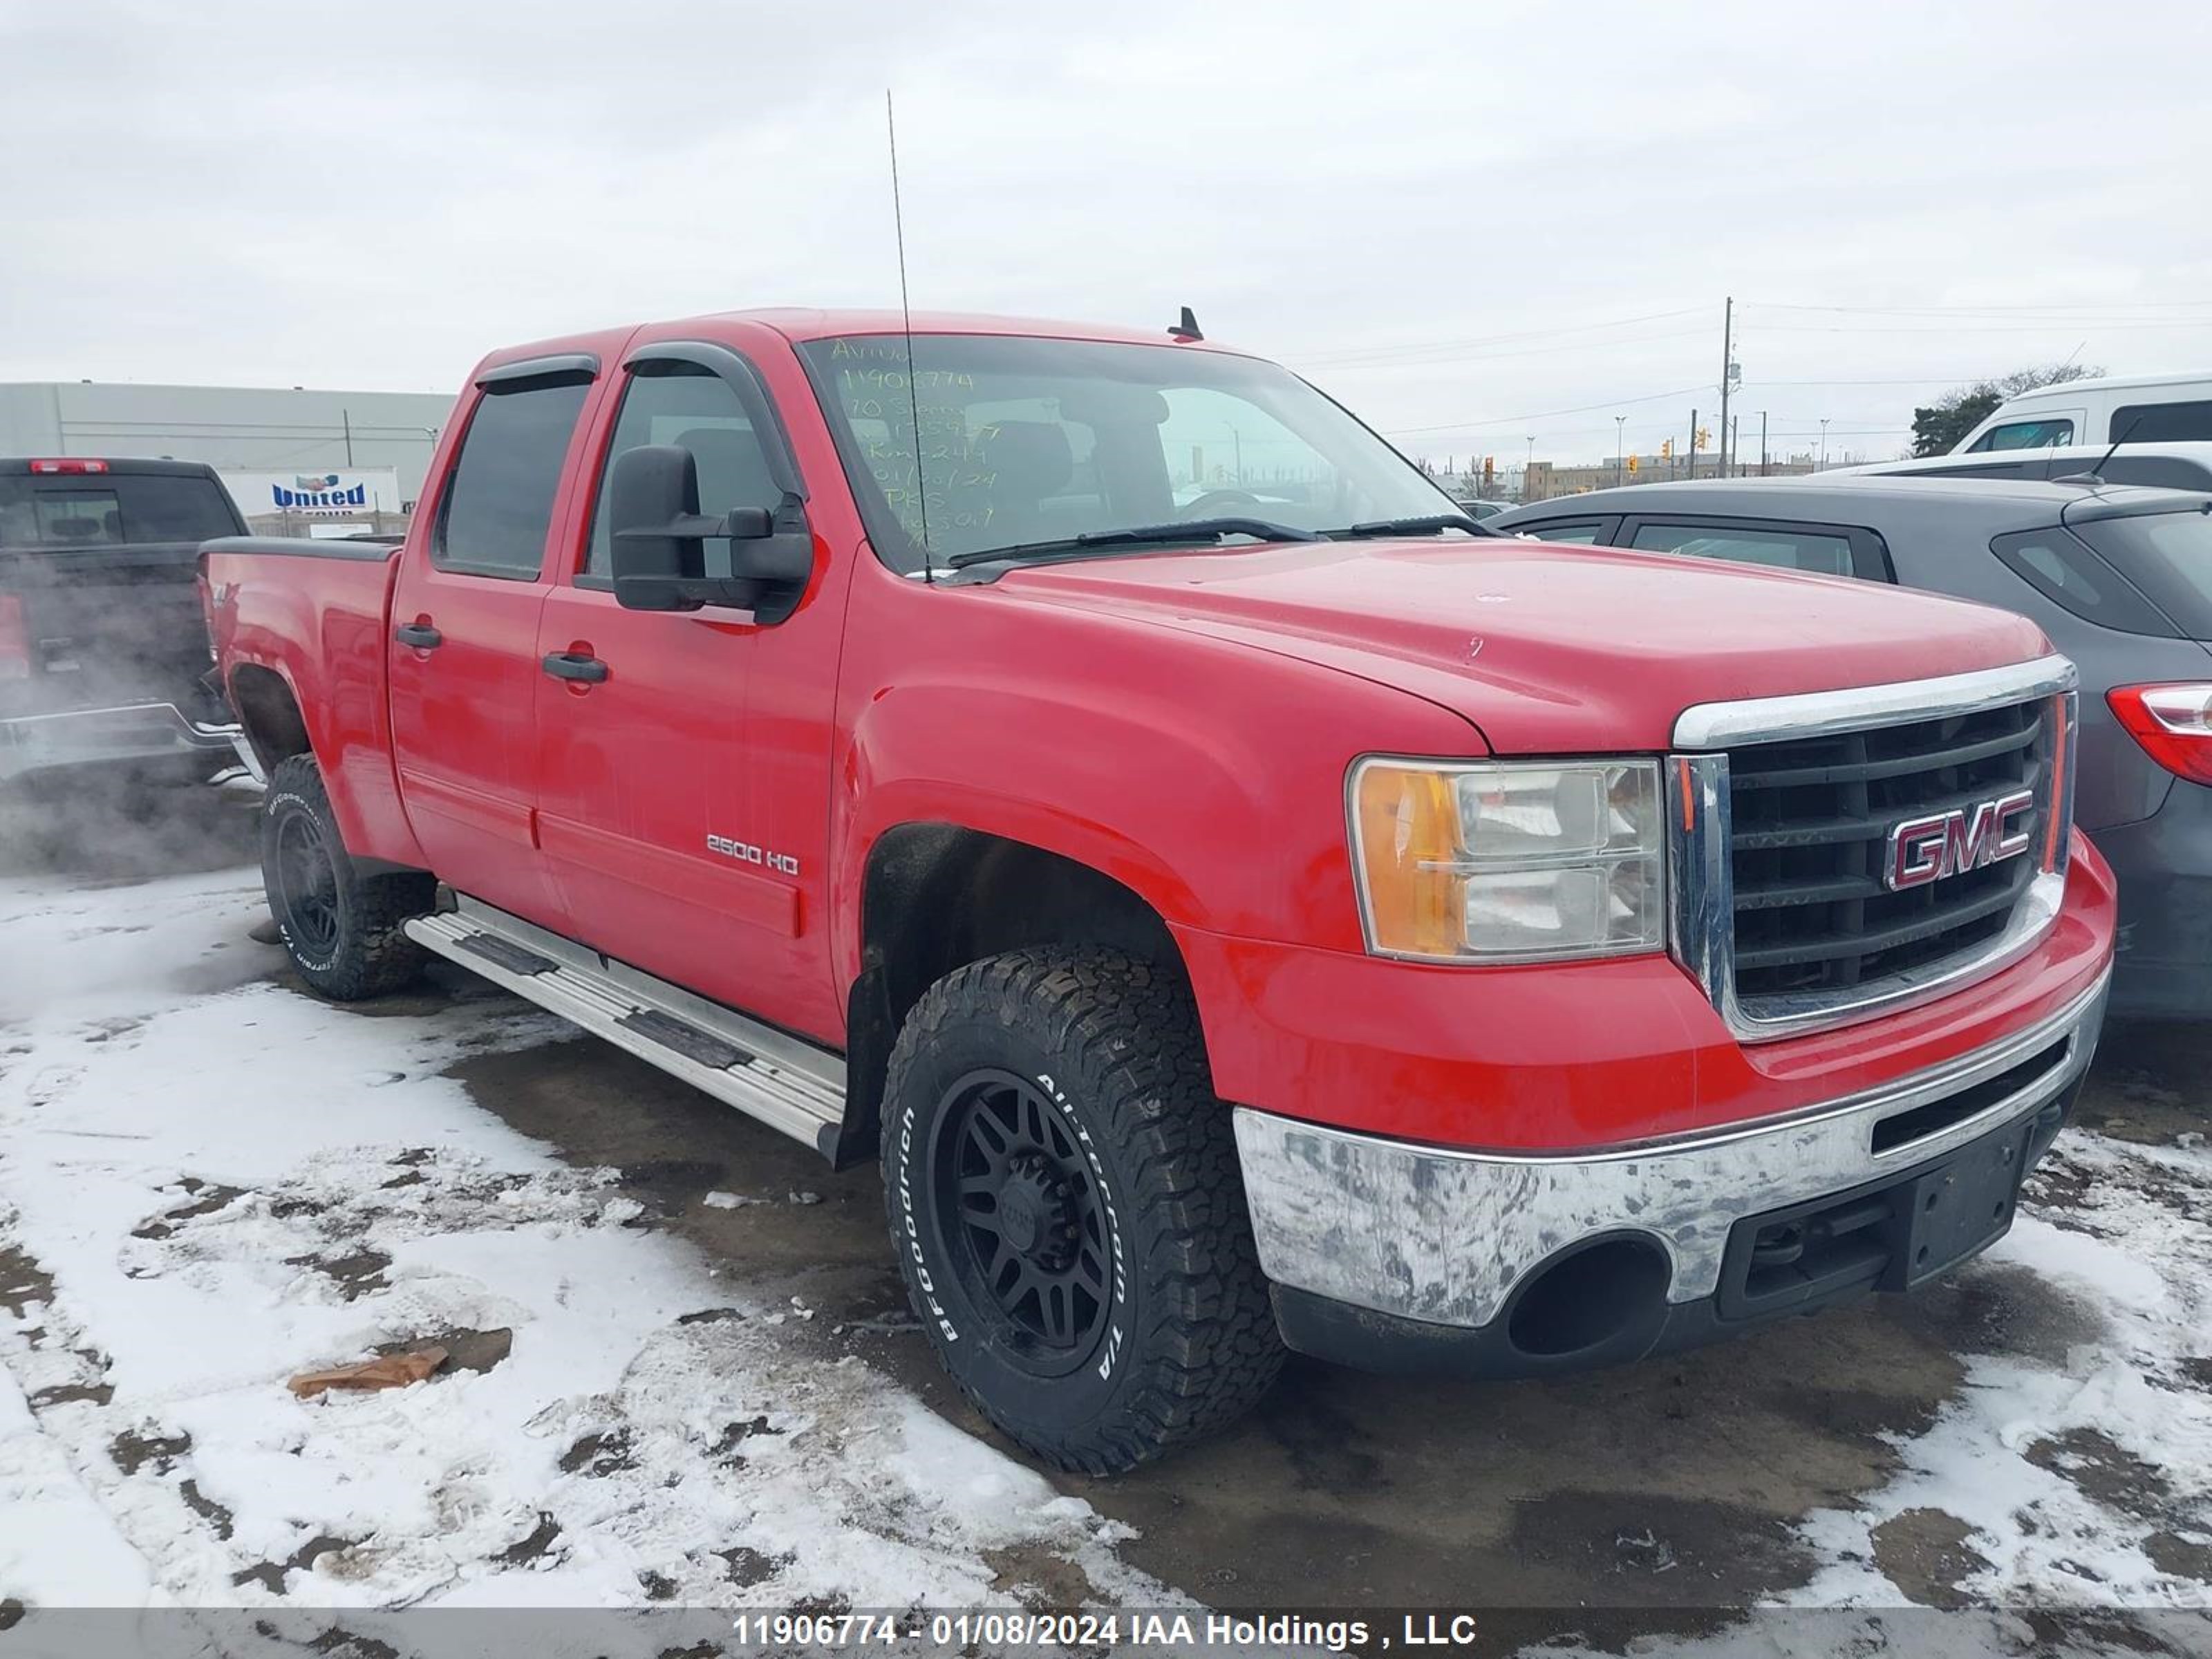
(1243, 904)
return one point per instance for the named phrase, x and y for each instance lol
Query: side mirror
(765, 546)
(657, 534)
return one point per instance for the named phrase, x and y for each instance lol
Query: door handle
(420, 635)
(574, 665)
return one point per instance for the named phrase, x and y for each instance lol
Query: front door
(653, 804)
(465, 669)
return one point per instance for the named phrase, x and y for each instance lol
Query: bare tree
(1938, 426)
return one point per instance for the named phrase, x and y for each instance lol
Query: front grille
(1809, 823)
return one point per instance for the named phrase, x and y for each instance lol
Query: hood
(1548, 650)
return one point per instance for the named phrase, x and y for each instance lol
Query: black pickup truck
(103, 644)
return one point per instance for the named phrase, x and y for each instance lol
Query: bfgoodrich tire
(1067, 1211)
(340, 926)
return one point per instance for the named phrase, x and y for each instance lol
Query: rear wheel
(342, 928)
(1067, 1207)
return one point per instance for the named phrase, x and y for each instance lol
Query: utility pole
(1762, 443)
(1728, 374)
(346, 415)
(1692, 452)
(1619, 427)
(1734, 451)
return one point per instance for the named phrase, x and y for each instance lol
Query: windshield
(112, 509)
(2168, 555)
(1026, 440)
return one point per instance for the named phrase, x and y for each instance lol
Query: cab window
(694, 409)
(499, 502)
(2024, 434)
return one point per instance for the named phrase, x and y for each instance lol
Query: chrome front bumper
(1429, 1234)
(142, 731)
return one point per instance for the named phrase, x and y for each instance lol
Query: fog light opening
(1611, 1292)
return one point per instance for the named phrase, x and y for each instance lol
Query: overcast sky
(1475, 223)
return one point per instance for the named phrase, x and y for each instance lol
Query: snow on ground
(2087, 1483)
(209, 1184)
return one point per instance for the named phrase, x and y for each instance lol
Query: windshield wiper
(1431, 525)
(1189, 529)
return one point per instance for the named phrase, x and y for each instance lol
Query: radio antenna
(906, 319)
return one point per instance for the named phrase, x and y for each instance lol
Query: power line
(1991, 310)
(2064, 327)
(1921, 379)
(1525, 351)
(1540, 414)
(1416, 348)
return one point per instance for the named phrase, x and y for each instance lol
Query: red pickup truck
(1242, 903)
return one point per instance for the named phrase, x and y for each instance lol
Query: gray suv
(2119, 578)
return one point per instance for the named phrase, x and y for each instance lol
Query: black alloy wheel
(306, 886)
(1031, 1220)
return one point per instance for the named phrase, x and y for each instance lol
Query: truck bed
(305, 623)
(108, 626)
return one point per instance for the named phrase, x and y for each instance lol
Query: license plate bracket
(1891, 1234)
(1959, 1207)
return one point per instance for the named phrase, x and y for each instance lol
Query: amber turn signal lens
(1408, 837)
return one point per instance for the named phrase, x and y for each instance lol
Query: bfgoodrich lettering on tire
(1066, 1208)
(340, 928)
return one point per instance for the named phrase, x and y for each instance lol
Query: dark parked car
(2120, 578)
(103, 643)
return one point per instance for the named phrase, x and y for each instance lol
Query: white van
(2145, 409)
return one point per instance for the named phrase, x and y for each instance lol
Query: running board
(786, 1084)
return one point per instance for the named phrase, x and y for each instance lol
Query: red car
(1240, 902)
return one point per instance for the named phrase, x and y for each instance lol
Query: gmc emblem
(1922, 850)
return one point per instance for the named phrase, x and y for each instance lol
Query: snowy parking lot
(678, 1372)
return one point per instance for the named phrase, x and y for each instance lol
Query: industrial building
(293, 459)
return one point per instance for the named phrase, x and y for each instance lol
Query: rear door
(464, 644)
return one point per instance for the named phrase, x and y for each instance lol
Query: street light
(1823, 467)
(1619, 427)
(1526, 469)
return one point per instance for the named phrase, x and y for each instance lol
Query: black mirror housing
(657, 532)
(651, 489)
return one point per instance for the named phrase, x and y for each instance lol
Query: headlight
(1509, 860)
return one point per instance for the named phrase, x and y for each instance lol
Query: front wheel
(1068, 1209)
(343, 929)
